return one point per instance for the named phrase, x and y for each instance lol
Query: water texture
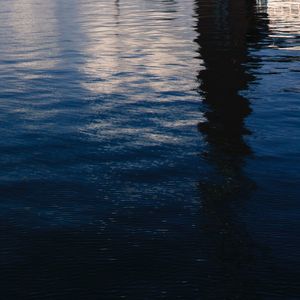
(149, 149)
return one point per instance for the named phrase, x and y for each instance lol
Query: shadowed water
(149, 149)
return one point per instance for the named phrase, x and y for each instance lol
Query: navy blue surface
(149, 149)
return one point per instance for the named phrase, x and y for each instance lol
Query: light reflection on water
(109, 189)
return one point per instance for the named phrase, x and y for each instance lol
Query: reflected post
(226, 29)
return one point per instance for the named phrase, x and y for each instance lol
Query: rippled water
(149, 149)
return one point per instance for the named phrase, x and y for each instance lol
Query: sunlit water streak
(105, 178)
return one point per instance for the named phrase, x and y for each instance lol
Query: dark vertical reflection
(117, 5)
(226, 30)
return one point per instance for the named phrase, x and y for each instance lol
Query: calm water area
(149, 149)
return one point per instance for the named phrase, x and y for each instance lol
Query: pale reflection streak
(139, 52)
(126, 55)
(284, 16)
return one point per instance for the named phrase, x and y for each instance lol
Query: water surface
(149, 149)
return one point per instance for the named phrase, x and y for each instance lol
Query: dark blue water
(149, 149)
